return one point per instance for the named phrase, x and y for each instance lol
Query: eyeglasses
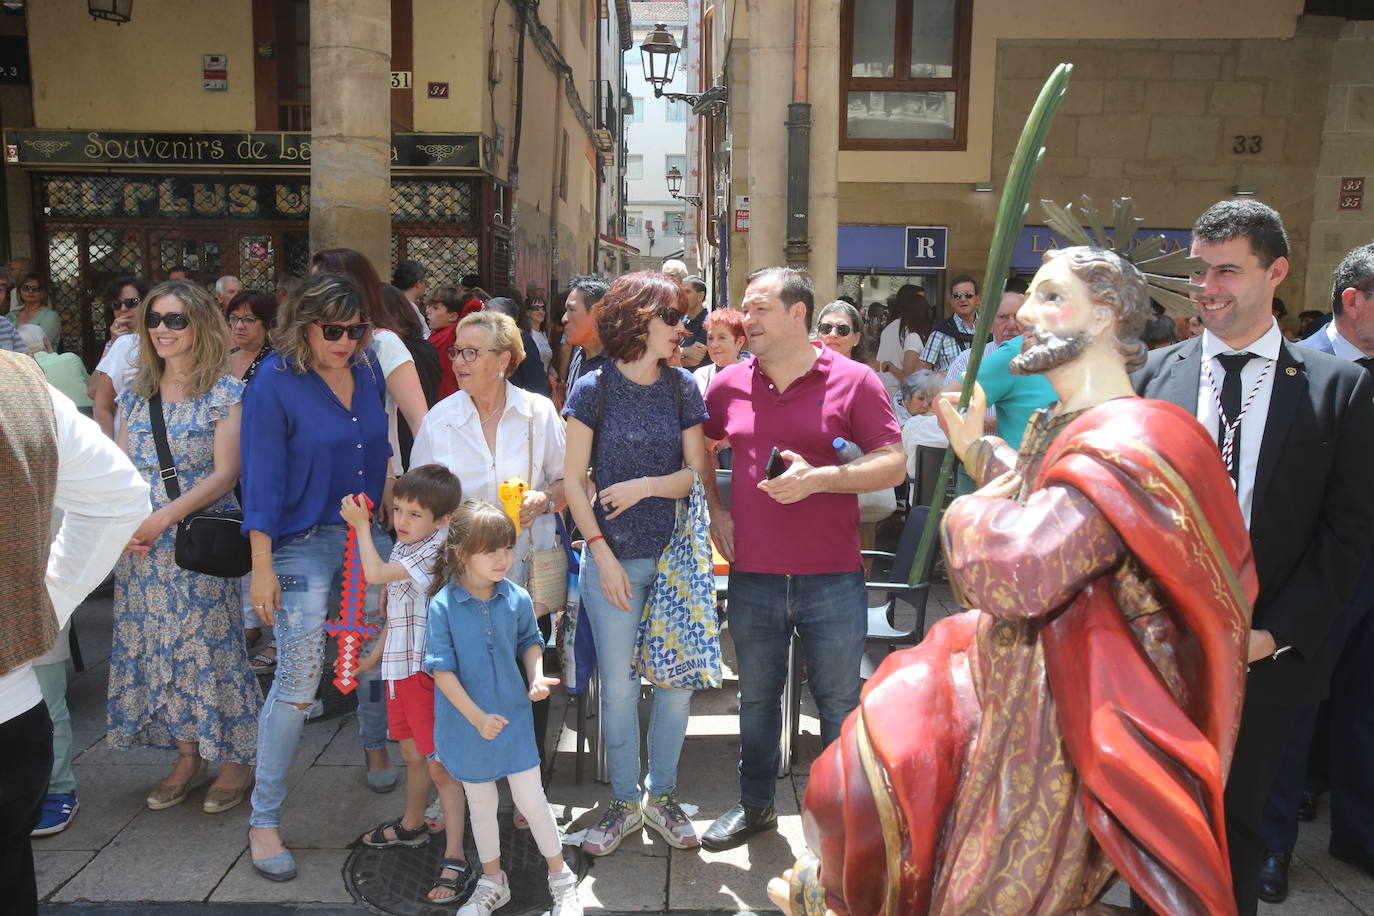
(670, 316)
(963, 295)
(839, 330)
(120, 304)
(243, 321)
(469, 354)
(175, 321)
(335, 331)
(536, 308)
(30, 288)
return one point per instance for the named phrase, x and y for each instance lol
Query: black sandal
(454, 884)
(377, 838)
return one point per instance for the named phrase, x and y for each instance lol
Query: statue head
(1074, 290)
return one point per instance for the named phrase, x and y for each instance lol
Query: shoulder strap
(600, 413)
(168, 469)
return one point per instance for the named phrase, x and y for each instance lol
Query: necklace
(487, 419)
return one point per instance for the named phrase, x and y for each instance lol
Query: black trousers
(24, 770)
(1264, 734)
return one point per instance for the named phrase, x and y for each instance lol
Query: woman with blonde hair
(178, 668)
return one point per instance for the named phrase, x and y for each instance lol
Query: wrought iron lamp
(674, 177)
(658, 54)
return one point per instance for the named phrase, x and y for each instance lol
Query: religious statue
(1079, 722)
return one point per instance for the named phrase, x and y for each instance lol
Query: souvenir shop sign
(242, 151)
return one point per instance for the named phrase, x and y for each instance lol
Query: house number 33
(1244, 145)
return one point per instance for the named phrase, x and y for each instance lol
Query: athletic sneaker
(663, 816)
(621, 818)
(488, 896)
(59, 810)
(563, 889)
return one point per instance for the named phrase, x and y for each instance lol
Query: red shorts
(410, 711)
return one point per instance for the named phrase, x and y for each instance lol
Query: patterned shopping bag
(678, 644)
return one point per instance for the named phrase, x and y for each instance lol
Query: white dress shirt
(1340, 346)
(103, 500)
(1252, 426)
(451, 435)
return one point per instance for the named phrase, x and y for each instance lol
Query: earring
(500, 375)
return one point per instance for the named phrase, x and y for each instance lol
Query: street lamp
(674, 177)
(658, 54)
(116, 11)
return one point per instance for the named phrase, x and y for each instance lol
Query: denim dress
(481, 642)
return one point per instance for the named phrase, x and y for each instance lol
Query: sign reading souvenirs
(184, 197)
(274, 150)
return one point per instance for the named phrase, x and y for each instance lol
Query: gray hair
(675, 269)
(923, 381)
(35, 338)
(219, 284)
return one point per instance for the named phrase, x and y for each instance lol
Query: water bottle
(845, 450)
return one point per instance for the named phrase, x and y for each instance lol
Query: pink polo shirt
(836, 397)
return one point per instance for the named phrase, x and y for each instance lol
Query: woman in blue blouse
(314, 429)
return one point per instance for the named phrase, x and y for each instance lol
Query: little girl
(484, 727)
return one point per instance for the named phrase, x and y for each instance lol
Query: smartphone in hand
(776, 465)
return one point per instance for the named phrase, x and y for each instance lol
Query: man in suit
(1296, 430)
(1349, 336)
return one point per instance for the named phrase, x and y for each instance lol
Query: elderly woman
(840, 329)
(34, 308)
(178, 669)
(250, 316)
(491, 431)
(314, 430)
(649, 429)
(725, 340)
(64, 371)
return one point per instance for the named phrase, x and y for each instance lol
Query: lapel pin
(1291, 370)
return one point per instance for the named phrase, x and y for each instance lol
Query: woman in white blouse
(491, 431)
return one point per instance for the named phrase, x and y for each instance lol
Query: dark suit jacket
(1312, 518)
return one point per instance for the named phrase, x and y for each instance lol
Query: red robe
(1140, 691)
(442, 340)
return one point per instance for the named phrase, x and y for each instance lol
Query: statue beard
(1048, 351)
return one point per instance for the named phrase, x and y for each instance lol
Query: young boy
(443, 310)
(423, 500)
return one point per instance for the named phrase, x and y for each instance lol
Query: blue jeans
(614, 632)
(310, 569)
(828, 613)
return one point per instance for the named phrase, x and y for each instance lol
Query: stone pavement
(119, 857)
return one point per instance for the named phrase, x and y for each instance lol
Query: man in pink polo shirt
(793, 541)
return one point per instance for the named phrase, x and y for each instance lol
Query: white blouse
(451, 435)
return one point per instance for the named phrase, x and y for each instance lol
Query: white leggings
(528, 794)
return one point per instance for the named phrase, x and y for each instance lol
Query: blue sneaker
(58, 813)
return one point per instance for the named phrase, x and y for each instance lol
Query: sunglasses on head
(176, 321)
(963, 295)
(839, 330)
(670, 316)
(124, 304)
(335, 331)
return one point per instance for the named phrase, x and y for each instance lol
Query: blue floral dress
(179, 666)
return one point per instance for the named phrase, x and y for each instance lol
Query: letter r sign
(925, 247)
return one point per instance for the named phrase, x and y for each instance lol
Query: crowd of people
(336, 408)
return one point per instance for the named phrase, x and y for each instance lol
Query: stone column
(350, 110)
(770, 91)
(825, 144)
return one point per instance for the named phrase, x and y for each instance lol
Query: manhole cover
(396, 880)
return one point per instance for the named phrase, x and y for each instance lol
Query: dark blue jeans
(828, 613)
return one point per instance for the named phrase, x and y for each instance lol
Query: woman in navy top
(314, 429)
(649, 418)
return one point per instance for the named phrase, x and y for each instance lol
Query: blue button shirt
(303, 451)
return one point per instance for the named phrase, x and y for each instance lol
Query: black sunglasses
(839, 330)
(335, 331)
(118, 304)
(670, 316)
(963, 295)
(177, 321)
(31, 289)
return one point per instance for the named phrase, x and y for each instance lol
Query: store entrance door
(206, 253)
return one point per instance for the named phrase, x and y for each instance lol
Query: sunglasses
(963, 295)
(469, 354)
(120, 304)
(243, 321)
(536, 308)
(839, 330)
(31, 289)
(176, 321)
(670, 316)
(335, 331)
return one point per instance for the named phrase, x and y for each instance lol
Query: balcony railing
(294, 115)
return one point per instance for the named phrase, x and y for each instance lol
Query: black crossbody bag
(207, 542)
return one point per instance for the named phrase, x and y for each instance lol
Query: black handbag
(207, 542)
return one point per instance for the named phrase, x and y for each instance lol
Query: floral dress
(179, 666)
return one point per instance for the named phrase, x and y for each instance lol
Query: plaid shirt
(407, 610)
(941, 348)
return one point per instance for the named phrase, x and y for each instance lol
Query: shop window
(431, 202)
(904, 68)
(447, 257)
(257, 258)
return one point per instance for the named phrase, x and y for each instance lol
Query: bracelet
(594, 538)
(261, 553)
(646, 488)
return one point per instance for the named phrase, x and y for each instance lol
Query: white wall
(655, 138)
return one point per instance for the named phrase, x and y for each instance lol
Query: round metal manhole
(397, 880)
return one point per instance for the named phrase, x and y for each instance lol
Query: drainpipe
(798, 247)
